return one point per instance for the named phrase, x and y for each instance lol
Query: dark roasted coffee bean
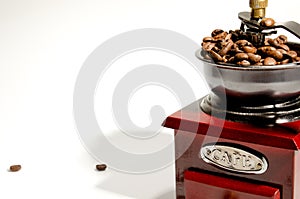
(285, 61)
(243, 42)
(228, 37)
(270, 61)
(282, 39)
(101, 167)
(249, 49)
(226, 48)
(225, 58)
(253, 57)
(266, 49)
(266, 42)
(231, 59)
(241, 56)
(208, 39)
(215, 56)
(15, 168)
(273, 42)
(271, 52)
(216, 49)
(243, 63)
(221, 36)
(216, 32)
(284, 47)
(258, 64)
(268, 22)
(282, 51)
(292, 54)
(208, 46)
(276, 54)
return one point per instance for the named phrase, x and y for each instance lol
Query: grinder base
(260, 114)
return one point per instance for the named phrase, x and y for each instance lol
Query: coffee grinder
(242, 141)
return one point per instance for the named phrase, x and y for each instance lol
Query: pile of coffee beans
(235, 47)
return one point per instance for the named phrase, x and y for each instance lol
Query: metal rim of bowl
(248, 68)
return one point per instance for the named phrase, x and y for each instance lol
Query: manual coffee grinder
(242, 141)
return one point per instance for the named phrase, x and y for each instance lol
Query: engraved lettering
(233, 159)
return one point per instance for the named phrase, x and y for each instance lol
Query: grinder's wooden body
(197, 178)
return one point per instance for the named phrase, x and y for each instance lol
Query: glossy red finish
(279, 144)
(207, 186)
(281, 135)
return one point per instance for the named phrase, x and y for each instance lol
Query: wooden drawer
(206, 186)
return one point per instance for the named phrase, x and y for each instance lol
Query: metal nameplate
(234, 158)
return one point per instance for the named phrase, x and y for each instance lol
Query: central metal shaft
(258, 8)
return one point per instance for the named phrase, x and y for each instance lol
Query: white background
(43, 45)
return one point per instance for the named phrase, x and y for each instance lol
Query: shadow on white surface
(158, 184)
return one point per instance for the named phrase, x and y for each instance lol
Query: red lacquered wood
(206, 186)
(280, 145)
(285, 136)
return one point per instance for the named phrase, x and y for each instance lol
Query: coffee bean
(215, 56)
(220, 36)
(216, 32)
(258, 64)
(292, 54)
(249, 49)
(268, 22)
(208, 46)
(101, 167)
(284, 52)
(284, 47)
(228, 37)
(208, 39)
(15, 168)
(276, 54)
(266, 49)
(270, 61)
(253, 57)
(226, 48)
(231, 59)
(285, 61)
(273, 42)
(243, 42)
(241, 56)
(266, 42)
(282, 39)
(225, 58)
(243, 63)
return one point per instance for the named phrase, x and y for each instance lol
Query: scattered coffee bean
(101, 167)
(268, 22)
(15, 168)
